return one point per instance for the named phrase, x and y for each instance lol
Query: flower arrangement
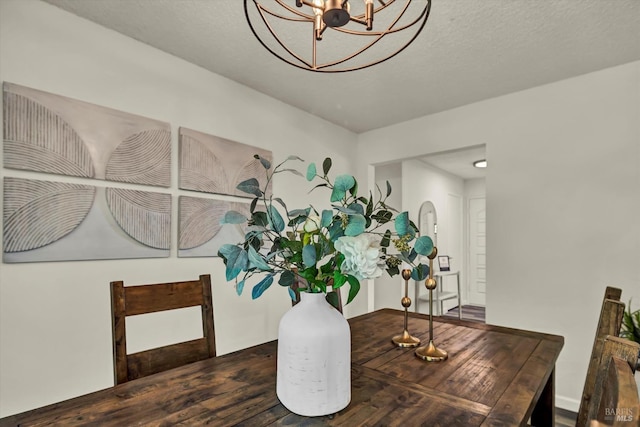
(347, 243)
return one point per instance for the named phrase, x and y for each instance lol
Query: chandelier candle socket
(430, 352)
(361, 33)
(405, 339)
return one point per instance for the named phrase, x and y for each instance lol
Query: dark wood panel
(160, 297)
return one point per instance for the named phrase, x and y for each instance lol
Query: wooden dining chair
(609, 324)
(615, 399)
(133, 300)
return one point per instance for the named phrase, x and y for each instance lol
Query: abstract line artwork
(49, 133)
(216, 165)
(56, 221)
(200, 233)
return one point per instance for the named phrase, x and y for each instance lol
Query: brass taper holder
(405, 339)
(430, 352)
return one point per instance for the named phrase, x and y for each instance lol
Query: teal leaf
(402, 223)
(240, 287)
(236, 260)
(265, 163)
(233, 217)
(311, 171)
(275, 219)
(355, 226)
(420, 272)
(292, 294)
(309, 256)
(262, 286)
(256, 260)
(423, 245)
(343, 184)
(327, 217)
(326, 165)
(250, 186)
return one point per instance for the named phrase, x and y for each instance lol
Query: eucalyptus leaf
(279, 200)
(262, 286)
(327, 217)
(326, 165)
(236, 260)
(287, 278)
(275, 219)
(265, 163)
(309, 256)
(311, 171)
(256, 260)
(342, 184)
(402, 223)
(240, 287)
(293, 171)
(292, 294)
(250, 186)
(420, 272)
(423, 245)
(355, 226)
(233, 217)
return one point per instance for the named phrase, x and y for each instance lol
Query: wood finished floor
(476, 313)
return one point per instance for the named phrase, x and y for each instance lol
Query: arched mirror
(428, 222)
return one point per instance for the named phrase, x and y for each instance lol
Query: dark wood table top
(494, 376)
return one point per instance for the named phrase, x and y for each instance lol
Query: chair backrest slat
(143, 299)
(615, 397)
(609, 323)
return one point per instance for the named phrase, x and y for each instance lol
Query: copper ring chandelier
(335, 35)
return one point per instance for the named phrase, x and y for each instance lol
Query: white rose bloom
(311, 224)
(361, 256)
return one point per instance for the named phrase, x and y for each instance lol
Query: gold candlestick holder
(430, 352)
(405, 339)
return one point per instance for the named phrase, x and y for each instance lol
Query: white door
(477, 251)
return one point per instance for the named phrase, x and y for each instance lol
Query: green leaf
(311, 171)
(339, 279)
(382, 217)
(309, 256)
(354, 287)
(233, 217)
(386, 239)
(250, 186)
(252, 207)
(260, 219)
(326, 165)
(423, 245)
(256, 260)
(275, 219)
(293, 171)
(262, 286)
(327, 217)
(333, 299)
(236, 260)
(388, 188)
(279, 200)
(287, 278)
(341, 186)
(355, 226)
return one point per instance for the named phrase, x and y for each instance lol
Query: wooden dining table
(494, 376)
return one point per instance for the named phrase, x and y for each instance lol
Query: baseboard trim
(568, 404)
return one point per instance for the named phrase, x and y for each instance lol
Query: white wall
(389, 290)
(55, 333)
(563, 201)
(421, 183)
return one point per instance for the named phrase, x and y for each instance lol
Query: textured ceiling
(469, 51)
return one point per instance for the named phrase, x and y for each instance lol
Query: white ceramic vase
(314, 358)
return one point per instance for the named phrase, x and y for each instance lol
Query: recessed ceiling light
(480, 163)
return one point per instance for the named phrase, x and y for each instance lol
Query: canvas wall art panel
(200, 233)
(57, 221)
(50, 133)
(212, 164)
